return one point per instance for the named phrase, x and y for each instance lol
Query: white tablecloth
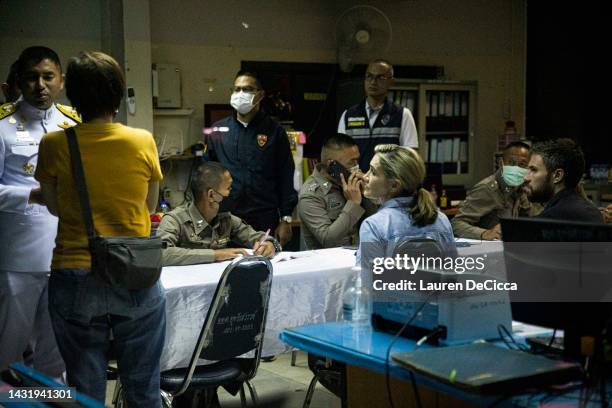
(305, 290)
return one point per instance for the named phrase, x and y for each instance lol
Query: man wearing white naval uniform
(27, 230)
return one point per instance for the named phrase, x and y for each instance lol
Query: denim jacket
(393, 223)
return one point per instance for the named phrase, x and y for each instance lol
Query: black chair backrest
(419, 246)
(235, 322)
(236, 319)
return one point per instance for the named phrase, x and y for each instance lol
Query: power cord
(395, 338)
(552, 339)
(435, 333)
(503, 331)
(187, 196)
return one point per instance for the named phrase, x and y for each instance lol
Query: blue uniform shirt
(27, 231)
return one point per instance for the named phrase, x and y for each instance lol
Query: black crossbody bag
(122, 262)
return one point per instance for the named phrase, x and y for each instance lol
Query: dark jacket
(386, 129)
(260, 162)
(569, 205)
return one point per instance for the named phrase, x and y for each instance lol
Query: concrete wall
(474, 40)
(481, 40)
(66, 26)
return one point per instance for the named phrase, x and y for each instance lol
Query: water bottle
(356, 304)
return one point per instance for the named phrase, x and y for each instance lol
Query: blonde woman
(407, 210)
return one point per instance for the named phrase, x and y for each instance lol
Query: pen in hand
(262, 240)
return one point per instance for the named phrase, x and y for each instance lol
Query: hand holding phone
(351, 188)
(335, 169)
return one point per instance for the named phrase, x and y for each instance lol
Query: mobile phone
(335, 169)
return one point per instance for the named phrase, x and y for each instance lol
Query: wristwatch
(287, 219)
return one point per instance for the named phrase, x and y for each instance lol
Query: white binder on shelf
(433, 151)
(456, 147)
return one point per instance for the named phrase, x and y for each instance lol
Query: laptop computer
(485, 368)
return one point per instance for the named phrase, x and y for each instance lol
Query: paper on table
(287, 255)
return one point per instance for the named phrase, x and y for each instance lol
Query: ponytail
(424, 211)
(406, 166)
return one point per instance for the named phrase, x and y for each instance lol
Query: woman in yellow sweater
(122, 172)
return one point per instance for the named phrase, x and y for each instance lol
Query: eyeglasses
(376, 78)
(247, 89)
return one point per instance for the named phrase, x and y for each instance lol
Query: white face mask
(242, 102)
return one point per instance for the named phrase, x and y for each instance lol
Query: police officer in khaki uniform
(499, 195)
(330, 206)
(198, 233)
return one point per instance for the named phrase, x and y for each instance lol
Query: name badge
(356, 121)
(29, 149)
(23, 136)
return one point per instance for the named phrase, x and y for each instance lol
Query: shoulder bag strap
(79, 180)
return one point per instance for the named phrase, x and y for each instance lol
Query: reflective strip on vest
(377, 133)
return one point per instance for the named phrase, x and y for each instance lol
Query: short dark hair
(11, 78)
(32, 56)
(94, 84)
(562, 154)
(251, 74)
(207, 175)
(339, 141)
(336, 142)
(517, 144)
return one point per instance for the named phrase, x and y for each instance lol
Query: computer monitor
(562, 270)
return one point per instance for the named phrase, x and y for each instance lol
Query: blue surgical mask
(513, 175)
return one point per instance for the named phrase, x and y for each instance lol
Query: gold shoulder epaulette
(7, 109)
(69, 111)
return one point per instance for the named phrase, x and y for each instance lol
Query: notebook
(488, 369)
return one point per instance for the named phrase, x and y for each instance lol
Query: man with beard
(554, 170)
